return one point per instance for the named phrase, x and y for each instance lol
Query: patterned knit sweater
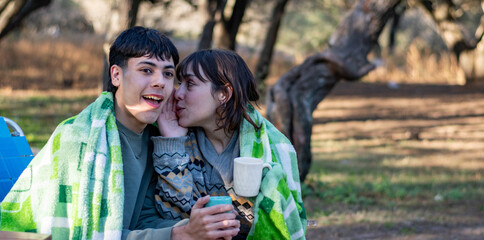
(276, 213)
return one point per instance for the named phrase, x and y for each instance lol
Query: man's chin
(150, 118)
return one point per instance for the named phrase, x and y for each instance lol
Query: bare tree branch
(18, 12)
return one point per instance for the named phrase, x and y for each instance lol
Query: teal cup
(216, 200)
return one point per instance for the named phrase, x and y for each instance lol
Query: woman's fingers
(217, 209)
(225, 234)
(201, 202)
(213, 222)
(173, 100)
(234, 210)
(224, 225)
(167, 121)
(168, 107)
(170, 104)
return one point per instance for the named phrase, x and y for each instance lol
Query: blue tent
(15, 154)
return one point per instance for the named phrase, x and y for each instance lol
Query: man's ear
(116, 72)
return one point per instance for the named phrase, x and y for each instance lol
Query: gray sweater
(140, 219)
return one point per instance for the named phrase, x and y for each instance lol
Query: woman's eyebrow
(188, 75)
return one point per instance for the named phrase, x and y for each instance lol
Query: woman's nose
(179, 93)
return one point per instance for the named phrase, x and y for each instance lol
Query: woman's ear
(226, 93)
(116, 72)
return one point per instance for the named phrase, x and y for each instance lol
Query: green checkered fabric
(279, 211)
(74, 187)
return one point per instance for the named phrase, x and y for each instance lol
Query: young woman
(214, 105)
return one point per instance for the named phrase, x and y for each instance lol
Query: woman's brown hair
(224, 69)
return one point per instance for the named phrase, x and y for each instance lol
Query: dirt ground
(441, 126)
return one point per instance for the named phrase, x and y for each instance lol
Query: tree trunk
(292, 100)
(214, 10)
(133, 12)
(457, 37)
(13, 12)
(393, 28)
(470, 57)
(230, 27)
(122, 16)
(265, 57)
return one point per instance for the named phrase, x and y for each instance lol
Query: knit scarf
(74, 187)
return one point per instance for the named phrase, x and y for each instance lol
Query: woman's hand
(208, 223)
(168, 122)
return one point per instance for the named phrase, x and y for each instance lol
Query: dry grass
(418, 66)
(51, 63)
(44, 63)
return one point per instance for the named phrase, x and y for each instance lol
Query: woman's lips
(179, 110)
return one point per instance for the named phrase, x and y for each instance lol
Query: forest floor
(398, 162)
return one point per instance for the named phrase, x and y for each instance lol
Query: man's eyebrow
(147, 63)
(154, 65)
(169, 66)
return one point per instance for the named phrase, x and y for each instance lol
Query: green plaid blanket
(278, 209)
(74, 187)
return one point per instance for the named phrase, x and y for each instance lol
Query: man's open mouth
(153, 100)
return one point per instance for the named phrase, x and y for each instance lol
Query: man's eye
(169, 74)
(146, 70)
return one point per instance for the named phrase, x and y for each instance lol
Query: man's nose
(159, 81)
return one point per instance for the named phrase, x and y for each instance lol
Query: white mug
(248, 175)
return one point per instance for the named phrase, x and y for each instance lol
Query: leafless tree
(294, 97)
(13, 12)
(265, 57)
(216, 12)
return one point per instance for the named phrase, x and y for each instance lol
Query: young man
(94, 178)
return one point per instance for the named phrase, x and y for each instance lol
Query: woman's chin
(185, 124)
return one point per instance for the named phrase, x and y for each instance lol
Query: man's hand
(168, 122)
(208, 223)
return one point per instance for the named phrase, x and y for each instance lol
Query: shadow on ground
(413, 151)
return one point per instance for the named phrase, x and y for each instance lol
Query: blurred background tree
(12, 12)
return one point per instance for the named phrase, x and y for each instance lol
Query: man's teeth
(153, 98)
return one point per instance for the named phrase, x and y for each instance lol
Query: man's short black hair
(138, 42)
